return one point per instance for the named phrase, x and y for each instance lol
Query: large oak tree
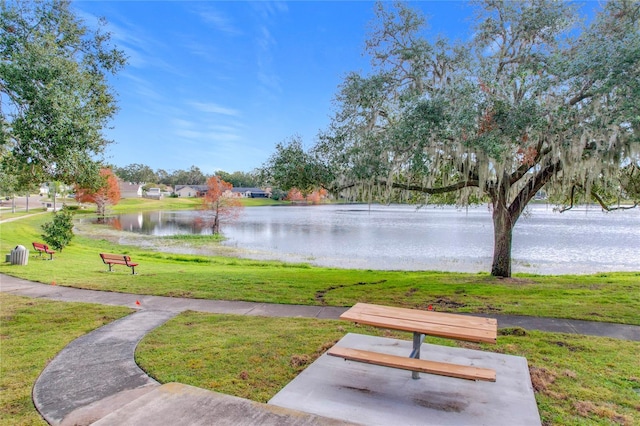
(55, 96)
(534, 100)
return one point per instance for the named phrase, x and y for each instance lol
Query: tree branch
(598, 198)
(571, 198)
(532, 187)
(427, 190)
(608, 208)
(523, 169)
(583, 94)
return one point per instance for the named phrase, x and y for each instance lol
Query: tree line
(141, 173)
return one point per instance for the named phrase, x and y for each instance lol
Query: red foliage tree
(219, 204)
(315, 197)
(294, 195)
(106, 192)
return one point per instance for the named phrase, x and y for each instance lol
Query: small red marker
(430, 307)
(53, 283)
(137, 303)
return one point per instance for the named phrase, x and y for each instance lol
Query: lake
(400, 237)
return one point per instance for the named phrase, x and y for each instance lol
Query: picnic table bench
(43, 248)
(118, 259)
(421, 323)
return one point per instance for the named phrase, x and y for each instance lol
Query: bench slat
(439, 330)
(433, 317)
(118, 259)
(43, 248)
(411, 364)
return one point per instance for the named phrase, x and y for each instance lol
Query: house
(130, 190)
(153, 193)
(250, 193)
(61, 189)
(191, 190)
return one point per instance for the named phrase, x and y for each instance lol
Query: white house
(191, 190)
(130, 190)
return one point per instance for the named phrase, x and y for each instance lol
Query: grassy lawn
(139, 204)
(32, 332)
(611, 297)
(578, 380)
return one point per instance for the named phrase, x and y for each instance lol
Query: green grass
(613, 297)
(32, 332)
(578, 380)
(135, 205)
(145, 204)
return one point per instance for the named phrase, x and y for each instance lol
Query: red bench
(43, 248)
(118, 259)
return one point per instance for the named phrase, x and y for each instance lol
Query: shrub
(59, 232)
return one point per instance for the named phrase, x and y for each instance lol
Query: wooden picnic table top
(453, 326)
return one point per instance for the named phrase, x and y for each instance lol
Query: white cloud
(217, 20)
(269, 9)
(210, 107)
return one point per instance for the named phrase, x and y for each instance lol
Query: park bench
(421, 323)
(118, 259)
(43, 248)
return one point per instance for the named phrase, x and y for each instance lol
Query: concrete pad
(93, 412)
(376, 395)
(179, 404)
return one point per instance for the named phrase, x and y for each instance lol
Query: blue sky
(217, 84)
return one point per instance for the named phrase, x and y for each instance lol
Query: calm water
(406, 238)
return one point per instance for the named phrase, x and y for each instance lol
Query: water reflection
(161, 223)
(404, 238)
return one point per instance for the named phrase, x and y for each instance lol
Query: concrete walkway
(22, 287)
(95, 378)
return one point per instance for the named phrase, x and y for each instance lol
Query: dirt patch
(541, 379)
(442, 303)
(489, 309)
(320, 295)
(512, 331)
(298, 361)
(570, 347)
(588, 409)
(410, 292)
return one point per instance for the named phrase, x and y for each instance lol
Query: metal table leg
(418, 338)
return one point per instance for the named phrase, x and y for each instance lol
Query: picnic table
(421, 323)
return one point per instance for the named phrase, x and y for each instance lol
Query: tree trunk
(502, 236)
(216, 225)
(101, 209)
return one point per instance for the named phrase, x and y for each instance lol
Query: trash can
(19, 256)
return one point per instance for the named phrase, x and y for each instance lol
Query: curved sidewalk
(22, 287)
